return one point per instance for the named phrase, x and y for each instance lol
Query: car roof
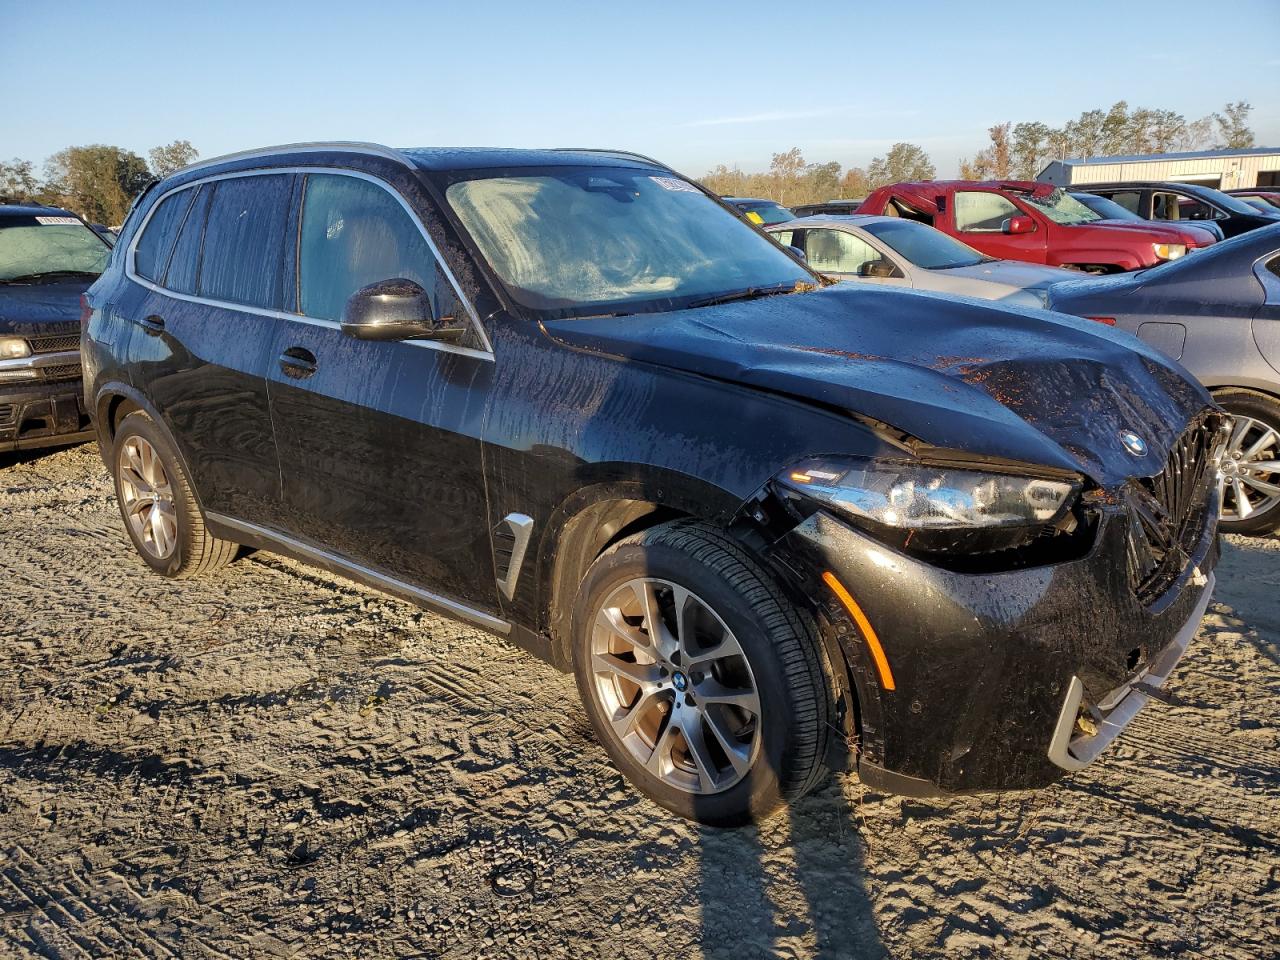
(33, 210)
(436, 158)
(838, 220)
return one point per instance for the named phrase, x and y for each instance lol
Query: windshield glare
(923, 245)
(1107, 209)
(581, 241)
(1062, 208)
(33, 244)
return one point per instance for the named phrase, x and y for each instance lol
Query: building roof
(1159, 157)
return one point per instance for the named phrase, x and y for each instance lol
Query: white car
(906, 253)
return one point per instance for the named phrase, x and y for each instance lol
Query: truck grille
(54, 344)
(1168, 512)
(64, 371)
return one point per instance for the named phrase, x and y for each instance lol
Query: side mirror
(877, 269)
(1018, 225)
(798, 252)
(396, 309)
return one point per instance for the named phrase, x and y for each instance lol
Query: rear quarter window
(244, 240)
(152, 252)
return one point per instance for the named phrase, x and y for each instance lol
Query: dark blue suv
(48, 259)
(771, 522)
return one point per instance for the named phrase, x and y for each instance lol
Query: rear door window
(184, 264)
(355, 233)
(980, 211)
(244, 240)
(1177, 206)
(152, 252)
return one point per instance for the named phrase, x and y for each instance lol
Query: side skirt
(252, 535)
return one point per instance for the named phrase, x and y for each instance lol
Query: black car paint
(42, 413)
(1233, 222)
(400, 459)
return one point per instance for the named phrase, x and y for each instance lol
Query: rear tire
(727, 714)
(157, 503)
(1251, 495)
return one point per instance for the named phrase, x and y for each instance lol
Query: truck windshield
(1062, 208)
(923, 245)
(586, 241)
(34, 247)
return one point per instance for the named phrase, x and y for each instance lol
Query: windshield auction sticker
(56, 221)
(676, 184)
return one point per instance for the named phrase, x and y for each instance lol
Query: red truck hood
(1158, 232)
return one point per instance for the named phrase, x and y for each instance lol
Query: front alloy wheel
(708, 688)
(675, 686)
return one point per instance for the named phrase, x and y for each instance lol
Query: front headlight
(12, 348)
(1169, 251)
(935, 507)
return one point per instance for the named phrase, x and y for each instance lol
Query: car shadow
(794, 884)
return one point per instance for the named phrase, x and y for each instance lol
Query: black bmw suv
(567, 396)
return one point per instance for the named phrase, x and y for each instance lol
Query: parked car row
(771, 521)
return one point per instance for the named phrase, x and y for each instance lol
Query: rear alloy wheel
(1250, 467)
(158, 506)
(707, 687)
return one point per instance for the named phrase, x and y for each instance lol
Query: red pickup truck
(1036, 222)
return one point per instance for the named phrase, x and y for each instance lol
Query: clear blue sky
(692, 84)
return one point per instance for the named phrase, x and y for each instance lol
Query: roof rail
(315, 146)
(616, 153)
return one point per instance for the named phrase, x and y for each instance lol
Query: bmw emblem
(1133, 443)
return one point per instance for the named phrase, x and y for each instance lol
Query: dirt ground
(276, 762)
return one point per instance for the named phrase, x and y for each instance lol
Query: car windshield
(44, 246)
(586, 241)
(923, 245)
(769, 214)
(1060, 207)
(1107, 209)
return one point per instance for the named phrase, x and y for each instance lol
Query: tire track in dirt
(274, 762)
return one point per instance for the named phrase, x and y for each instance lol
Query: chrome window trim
(1270, 282)
(367, 575)
(132, 274)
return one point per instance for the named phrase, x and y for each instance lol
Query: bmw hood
(959, 375)
(33, 309)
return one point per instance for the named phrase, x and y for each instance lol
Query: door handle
(153, 324)
(298, 363)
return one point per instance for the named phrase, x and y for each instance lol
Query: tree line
(99, 182)
(1015, 151)
(1021, 150)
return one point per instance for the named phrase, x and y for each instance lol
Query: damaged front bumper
(44, 413)
(991, 671)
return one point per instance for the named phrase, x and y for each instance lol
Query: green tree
(173, 156)
(1233, 125)
(904, 161)
(784, 172)
(1115, 134)
(18, 180)
(98, 182)
(1030, 149)
(855, 184)
(821, 181)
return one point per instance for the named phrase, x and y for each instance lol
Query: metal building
(1221, 169)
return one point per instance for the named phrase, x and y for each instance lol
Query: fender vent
(510, 539)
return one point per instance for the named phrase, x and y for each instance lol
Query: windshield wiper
(50, 275)
(751, 293)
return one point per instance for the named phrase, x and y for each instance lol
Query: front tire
(704, 683)
(157, 503)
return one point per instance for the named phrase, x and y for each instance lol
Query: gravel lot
(276, 762)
